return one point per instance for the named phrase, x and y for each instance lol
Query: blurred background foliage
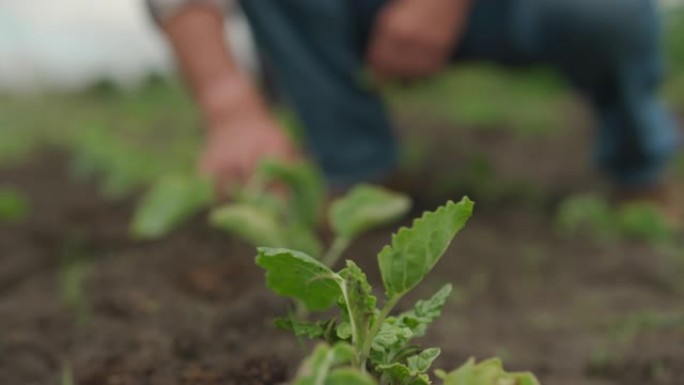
(127, 137)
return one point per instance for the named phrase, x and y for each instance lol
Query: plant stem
(335, 252)
(375, 329)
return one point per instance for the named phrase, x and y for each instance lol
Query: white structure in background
(67, 44)
(70, 43)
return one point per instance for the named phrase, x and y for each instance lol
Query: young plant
(264, 216)
(366, 344)
(285, 216)
(75, 268)
(14, 207)
(593, 215)
(170, 202)
(290, 221)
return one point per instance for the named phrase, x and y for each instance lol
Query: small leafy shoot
(14, 207)
(489, 372)
(171, 201)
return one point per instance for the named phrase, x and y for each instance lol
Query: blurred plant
(14, 207)
(117, 165)
(485, 95)
(645, 222)
(168, 203)
(592, 215)
(586, 214)
(281, 206)
(74, 271)
(67, 375)
(290, 219)
(622, 333)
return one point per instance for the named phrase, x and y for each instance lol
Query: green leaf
(170, 201)
(315, 369)
(366, 207)
(489, 372)
(425, 312)
(262, 227)
(401, 374)
(317, 330)
(14, 207)
(416, 250)
(644, 221)
(258, 226)
(391, 336)
(421, 362)
(586, 214)
(305, 184)
(359, 300)
(349, 376)
(296, 275)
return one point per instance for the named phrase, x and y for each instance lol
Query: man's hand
(414, 38)
(241, 133)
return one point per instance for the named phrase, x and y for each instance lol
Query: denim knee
(620, 30)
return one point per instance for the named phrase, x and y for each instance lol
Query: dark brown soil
(191, 309)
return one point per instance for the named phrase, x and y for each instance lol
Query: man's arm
(240, 129)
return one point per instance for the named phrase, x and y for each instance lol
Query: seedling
(268, 219)
(73, 273)
(286, 217)
(279, 207)
(67, 375)
(14, 207)
(365, 344)
(593, 215)
(170, 202)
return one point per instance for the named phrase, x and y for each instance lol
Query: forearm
(196, 34)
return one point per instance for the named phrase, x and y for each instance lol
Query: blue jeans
(608, 49)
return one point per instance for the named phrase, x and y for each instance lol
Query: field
(84, 303)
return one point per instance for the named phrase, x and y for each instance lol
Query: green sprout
(75, 268)
(291, 221)
(14, 207)
(171, 201)
(267, 216)
(593, 215)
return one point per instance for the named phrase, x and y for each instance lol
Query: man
(608, 49)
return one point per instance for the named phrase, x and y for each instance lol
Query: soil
(191, 309)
